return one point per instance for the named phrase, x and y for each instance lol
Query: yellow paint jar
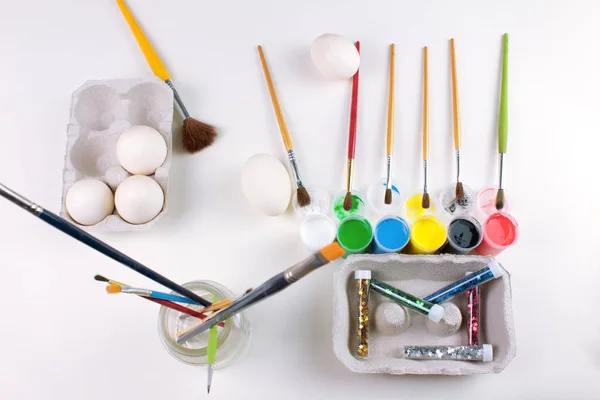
(427, 235)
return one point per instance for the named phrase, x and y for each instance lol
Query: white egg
(141, 150)
(335, 56)
(89, 201)
(266, 184)
(139, 199)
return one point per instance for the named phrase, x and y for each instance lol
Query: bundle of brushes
(503, 121)
(196, 135)
(352, 138)
(301, 193)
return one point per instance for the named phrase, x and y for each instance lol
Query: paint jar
(317, 231)
(359, 205)
(376, 198)
(391, 235)
(427, 235)
(413, 207)
(454, 207)
(464, 234)
(500, 231)
(232, 339)
(486, 201)
(355, 234)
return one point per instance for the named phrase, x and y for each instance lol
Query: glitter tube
(473, 316)
(432, 311)
(483, 353)
(470, 281)
(363, 278)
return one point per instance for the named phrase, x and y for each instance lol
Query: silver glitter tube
(483, 353)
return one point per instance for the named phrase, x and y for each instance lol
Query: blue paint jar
(391, 235)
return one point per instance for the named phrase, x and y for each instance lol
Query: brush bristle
(303, 197)
(197, 135)
(332, 251)
(460, 192)
(100, 278)
(348, 201)
(425, 200)
(388, 196)
(500, 199)
(112, 289)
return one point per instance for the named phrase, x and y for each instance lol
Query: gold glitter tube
(363, 278)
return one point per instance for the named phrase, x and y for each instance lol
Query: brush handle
(503, 115)
(285, 135)
(171, 297)
(151, 56)
(353, 112)
(390, 116)
(455, 106)
(180, 308)
(211, 347)
(425, 104)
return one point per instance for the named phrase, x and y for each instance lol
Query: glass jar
(232, 339)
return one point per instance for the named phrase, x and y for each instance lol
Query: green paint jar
(355, 234)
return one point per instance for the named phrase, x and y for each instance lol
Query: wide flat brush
(267, 289)
(352, 138)
(460, 193)
(390, 125)
(301, 192)
(425, 199)
(95, 243)
(196, 135)
(503, 121)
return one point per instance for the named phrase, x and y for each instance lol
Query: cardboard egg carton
(420, 276)
(100, 112)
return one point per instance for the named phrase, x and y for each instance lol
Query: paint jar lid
(486, 201)
(359, 205)
(454, 207)
(436, 313)
(376, 198)
(319, 202)
(413, 209)
(362, 274)
(488, 352)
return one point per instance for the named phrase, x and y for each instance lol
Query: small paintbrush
(460, 193)
(301, 192)
(390, 125)
(425, 199)
(352, 138)
(196, 135)
(114, 289)
(211, 351)
(267, 289)
(503, 121)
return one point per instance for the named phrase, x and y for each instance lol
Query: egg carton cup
(420, 275)
(100, 112)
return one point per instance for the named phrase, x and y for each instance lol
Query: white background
(62, 337)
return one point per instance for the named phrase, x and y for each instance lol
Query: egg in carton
(100, 112)
(392, 327)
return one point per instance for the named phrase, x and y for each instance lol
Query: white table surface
(62, 337)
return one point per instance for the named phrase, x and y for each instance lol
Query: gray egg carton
(421, 276)
(100, 112)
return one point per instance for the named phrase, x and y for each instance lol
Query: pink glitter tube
(473, 316)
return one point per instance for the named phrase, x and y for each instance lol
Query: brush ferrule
(178, 100)
(294, 164)
(350, 175)
(457, 165)
(388, 182)
(139, 292)
(424, 176)
(501, 169)
(19, 200)
(304, 267)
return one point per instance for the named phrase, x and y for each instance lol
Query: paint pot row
(428, 235)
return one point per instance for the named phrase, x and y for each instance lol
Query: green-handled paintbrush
(211, 350)
(503, 121)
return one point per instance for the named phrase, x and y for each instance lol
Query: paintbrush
(114, 289)
(196, 135)
(352, 138)
(165, 303)
(503, 121)
(211, 351)
(301, 192)
(460, 193)
(425, 199)
(267, 289)
(390, 126)
(95, 243)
